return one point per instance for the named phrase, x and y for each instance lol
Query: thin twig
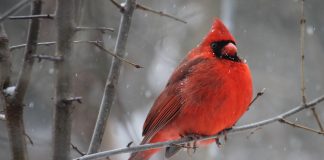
(293, 111)
(121, 8)
(116, 56)
(145, 8)
(302, 50)
(77, 149)
(257, 96)
(302, 53)
(47, 57)
(29, 138)
(101, 29)
(15, 9)
(12, 48)
(14, 108)
(300, 126)
(63, 108)
(41, 16)
(317, 118)
(112, 79)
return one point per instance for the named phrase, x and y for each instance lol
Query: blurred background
(267, 34)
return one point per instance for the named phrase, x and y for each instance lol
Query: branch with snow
(14, 104)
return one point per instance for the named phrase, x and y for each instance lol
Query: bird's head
(220, 43)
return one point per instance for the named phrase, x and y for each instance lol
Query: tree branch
(185, 140)
(62, 113)
(160, 13)
(15, 9)
(300, 126)
(101, 29)
(47, 57)
(43, 16)
(302, 50)
(77, 149)
(12, 48)
(116, 56)
(14, 107)
(302, 66)
(145, 8)
(259, 94)
(112, 79)
(5, 66)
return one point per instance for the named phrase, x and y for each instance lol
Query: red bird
(207, 93)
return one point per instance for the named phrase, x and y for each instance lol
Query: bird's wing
(170, 101)
(165, 108)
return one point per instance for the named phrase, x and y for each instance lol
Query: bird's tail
(158, 137)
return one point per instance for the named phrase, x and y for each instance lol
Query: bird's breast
(215, 97)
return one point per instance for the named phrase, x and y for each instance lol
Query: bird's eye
(214, 45)
(216, 48)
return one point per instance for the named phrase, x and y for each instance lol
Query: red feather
(207, 93)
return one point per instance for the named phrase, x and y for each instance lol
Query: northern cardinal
(206, 94)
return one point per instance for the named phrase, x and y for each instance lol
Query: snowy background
(267, 34)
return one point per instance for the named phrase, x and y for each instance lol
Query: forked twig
(300, 126)
(302, 66)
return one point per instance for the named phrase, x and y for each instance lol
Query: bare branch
(47, 57)
(145, 8)
(317, 118)
(302, 50)
(12, 48)
(302, 54)
(121, 8)
(101, 29)
(15, 9)
(5, 64)
(63, 106)
(77, 149)
(14, 108)
(186, 140)
(257, 96)
(29, 138)
(116, 56)
(112, 79)
(300, 126)
(41, 16)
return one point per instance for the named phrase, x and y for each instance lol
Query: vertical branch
(302, 53)
(112, 79)
(63, 106)
(302, 50)
(5, 64)
(14, 104)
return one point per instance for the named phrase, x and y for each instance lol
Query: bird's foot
(224, 132)
(192, 145)
(218, 142)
